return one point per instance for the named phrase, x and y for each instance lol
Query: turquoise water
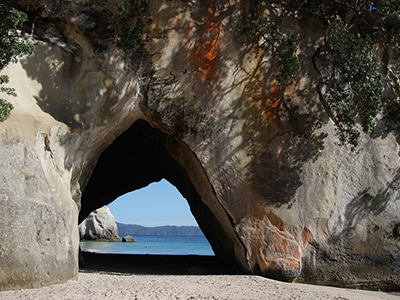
(157, 245)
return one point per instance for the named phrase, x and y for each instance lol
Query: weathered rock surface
(38, 231)
(129, 239)
(257, 160)
(99, 226)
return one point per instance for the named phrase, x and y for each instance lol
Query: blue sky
(155, 205)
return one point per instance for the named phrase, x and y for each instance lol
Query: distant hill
(135, 230)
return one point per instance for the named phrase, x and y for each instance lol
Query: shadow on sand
(152, 264)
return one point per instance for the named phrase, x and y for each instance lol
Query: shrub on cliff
(13, 44)
(354, 86)
(131, 20)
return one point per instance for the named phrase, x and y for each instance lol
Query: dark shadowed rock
(197, 271)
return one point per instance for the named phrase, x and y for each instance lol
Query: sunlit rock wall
(294, 203)
(71, 104)
(302, 205)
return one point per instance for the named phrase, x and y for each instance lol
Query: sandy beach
(123, 286)
(117, 277)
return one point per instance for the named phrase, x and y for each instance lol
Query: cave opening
(140, 156)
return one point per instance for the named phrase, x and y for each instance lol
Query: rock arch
(257, 159)
(144, 154)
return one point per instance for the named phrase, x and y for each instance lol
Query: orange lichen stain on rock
(256, 211)
(267, 94)
(273, 102)
(276, 246)
(306, 236)
(284, 248)
(281, 254)
(276, 221)
(206, 46)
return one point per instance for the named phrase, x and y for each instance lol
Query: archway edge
(301, 204)
(144, 154)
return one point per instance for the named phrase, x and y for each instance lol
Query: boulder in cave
(99, 226)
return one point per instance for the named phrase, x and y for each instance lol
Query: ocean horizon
(155, 245)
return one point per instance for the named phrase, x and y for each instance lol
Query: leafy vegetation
(266, 35)
(14, 44)
(132, 19)
(353, 86)
(5, 106)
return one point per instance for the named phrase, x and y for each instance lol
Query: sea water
(157, 245)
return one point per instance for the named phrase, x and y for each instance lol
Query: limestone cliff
(99, 226)
(257, 160)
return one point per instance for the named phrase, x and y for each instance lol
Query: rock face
(129, 238)
(99, 226)
(257, 160)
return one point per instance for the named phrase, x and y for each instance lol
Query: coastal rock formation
(257, 160)
(129, 239)
(99, 226)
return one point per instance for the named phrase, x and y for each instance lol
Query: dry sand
(140, 286)
(119, 277)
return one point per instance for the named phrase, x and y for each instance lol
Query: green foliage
(13, 45)
(13, 41)
(132, 19)
(5, 107)
(7, 90)
(266, 35)
(368, 196)
(5, 110)
(353, 86)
